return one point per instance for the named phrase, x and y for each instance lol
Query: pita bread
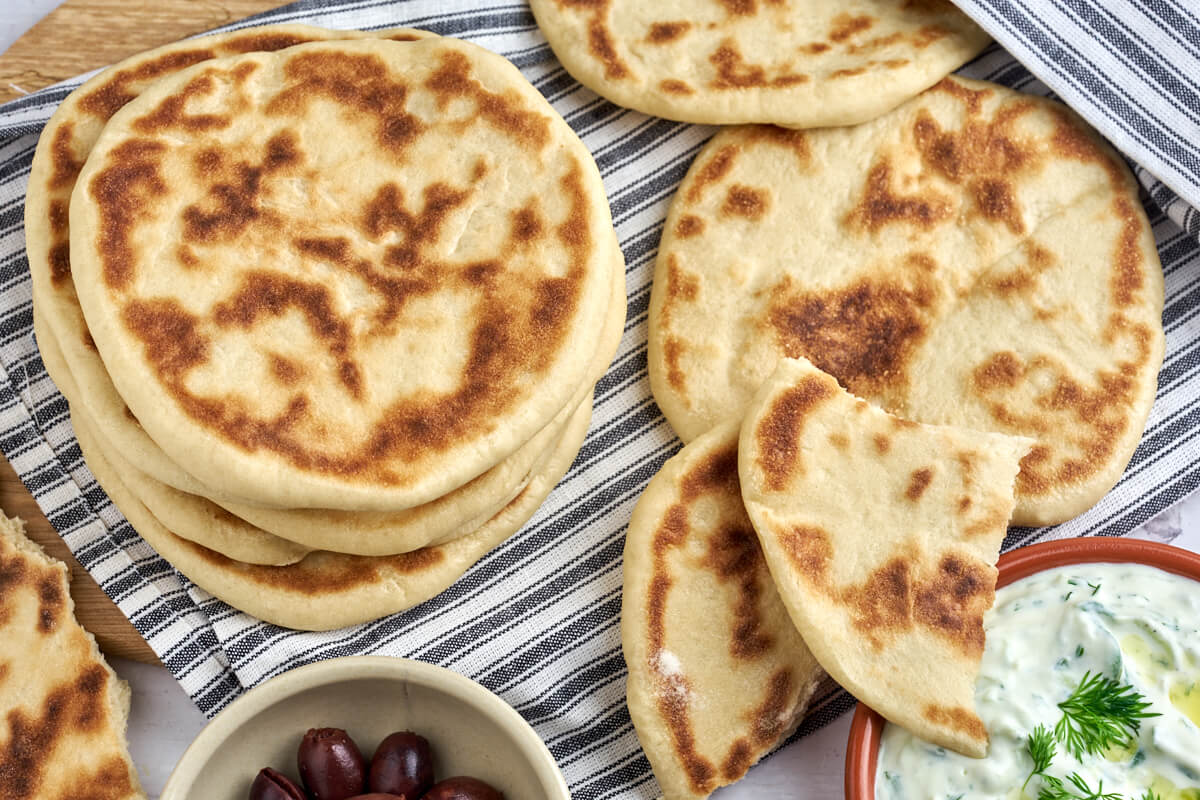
(798, 63)
(978, 257)
(283, 536)
(64, 146)
(718, 675)
(65, 710)
(882, 536)
(341, 386)
(326, 590)
(200, 521)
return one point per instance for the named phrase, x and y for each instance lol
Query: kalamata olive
(331, 765)
(271, 785)
(402, 764)
(379, 796)
(462, 787)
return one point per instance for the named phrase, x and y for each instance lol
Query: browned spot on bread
(995, 201)
(717, 472)
(745, 201)
(171, 114)
(847, 73)
(682, 286)
(57, 216)
(403, 37)
(927, 35)
(357, 81)
(672, 353)
(663, 32)
(70, 705)
(287, 371)
(1001, 370)
(51, 602)
(712, 171)
(60, 263)
(794, 140)
(845, 26)
(233, 200)
(689, 225)
(170, 335)
(128, 183)
(272, 294)
(1128, 276)
(124, 85)
(778, 432)
(883, 603)
(672, 691)
(671, 533)
(872, 44)
(816, 48)
(881, 206)
(62, 155)
(972, 98)
(734, 72)
(453, 79)
(527, 225)
(964, 504)
(672, 86)
(954, 600)
(960, 719)
(767, 720)
(735, 556)
(1023, 279)
(882, 443)
(864, 334)
(110, 781)
(839, 440)
(810, 551)
(260, 42)
(918, 482)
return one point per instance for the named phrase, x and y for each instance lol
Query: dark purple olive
(379, 796)
(462, 787)
(402, 764)
(331, 765)
(271, 785)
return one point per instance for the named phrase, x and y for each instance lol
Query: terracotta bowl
(470, 730)
(862, 749)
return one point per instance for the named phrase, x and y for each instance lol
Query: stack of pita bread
(65, 711)
(328, 308)
(881, 342)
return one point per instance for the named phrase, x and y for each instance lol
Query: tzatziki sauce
(1134, 625)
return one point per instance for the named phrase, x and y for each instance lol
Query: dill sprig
(1099, 714)
(1041, 747)
(1056, 789)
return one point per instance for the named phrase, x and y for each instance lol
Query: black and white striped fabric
(537, 619)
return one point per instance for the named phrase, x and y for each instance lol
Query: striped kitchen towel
(537, 619)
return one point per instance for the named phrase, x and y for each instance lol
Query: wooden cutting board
(77, 37)
(81, 35)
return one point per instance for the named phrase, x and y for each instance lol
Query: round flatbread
(64, 146)
(718, 675)
(882, 536)
(262, 535)
(325, 590)
(798, 63)
(363, 321)
(978, 257)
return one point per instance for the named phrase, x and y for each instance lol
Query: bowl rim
(335, 670)
(862, 745)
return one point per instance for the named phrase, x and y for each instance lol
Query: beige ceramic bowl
(471, 731)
